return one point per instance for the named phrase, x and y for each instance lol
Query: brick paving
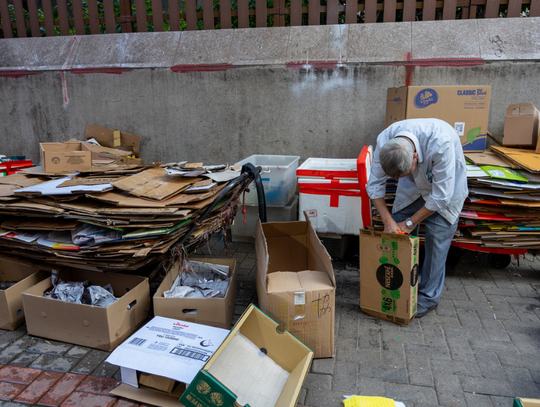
(481, 347)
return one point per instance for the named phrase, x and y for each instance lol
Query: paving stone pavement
(481, 347)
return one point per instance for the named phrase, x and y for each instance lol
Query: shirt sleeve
(376, 187)
(443, 178)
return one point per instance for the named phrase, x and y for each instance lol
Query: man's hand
(390, 226)
(403, 227)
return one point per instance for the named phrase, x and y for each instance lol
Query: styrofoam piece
(247, 372)
(278, 177)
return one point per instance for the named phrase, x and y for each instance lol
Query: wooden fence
(23, 18)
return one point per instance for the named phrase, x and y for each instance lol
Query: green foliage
(216, 7)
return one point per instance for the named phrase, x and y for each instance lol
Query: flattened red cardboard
(388, 275)
(295, 282)
(11, 304)
(216, 312)
(96, 327)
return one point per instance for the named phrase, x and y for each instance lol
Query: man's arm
(390, 226)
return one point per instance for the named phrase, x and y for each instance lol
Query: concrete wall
(220, 96)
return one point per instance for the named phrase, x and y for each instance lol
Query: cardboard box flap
(105, 137)
(318, 257)
(521, 109)
(307, 280)
(294, 384)
(529, 402)
(146, 396)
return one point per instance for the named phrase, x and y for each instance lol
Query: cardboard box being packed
(466, 108)
(15, 277)
(255, 365)
(295, 282)
(97, 326)
(208, 301)
(388, 275)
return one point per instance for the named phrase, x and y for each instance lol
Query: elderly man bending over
(427, 158)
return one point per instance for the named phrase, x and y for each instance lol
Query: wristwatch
(409, 223)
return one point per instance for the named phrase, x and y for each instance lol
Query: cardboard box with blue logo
(466, 108)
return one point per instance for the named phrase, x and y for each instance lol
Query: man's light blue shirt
(440, 176)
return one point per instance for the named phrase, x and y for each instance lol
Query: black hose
(261, 198)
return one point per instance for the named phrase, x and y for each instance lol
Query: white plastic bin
(333, 193)
(278, 176)
(245, 232)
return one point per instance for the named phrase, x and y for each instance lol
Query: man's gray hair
(396, 157)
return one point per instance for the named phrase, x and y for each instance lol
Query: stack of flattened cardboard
(503, 206)
(113, 217)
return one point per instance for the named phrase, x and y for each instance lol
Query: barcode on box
(460, 128)
(190, 354)
(137, 341)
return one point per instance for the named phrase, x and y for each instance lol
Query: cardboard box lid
(521, 109)
(529, 402)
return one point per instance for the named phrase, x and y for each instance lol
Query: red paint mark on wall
(314, 64)
(63, 74)
(17, 73)
(410, 64)
(201, 67)
(109, 70)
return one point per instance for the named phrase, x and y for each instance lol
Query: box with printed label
(388, 275)
(87, 325)
(216, 312)
(255, 366)
(159, 359)
(466, 108)
(295, 280)
(65, 157)
(15, 277)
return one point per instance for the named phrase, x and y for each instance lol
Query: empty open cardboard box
(296, 285)
(521, 126)
(24, 275)
(86, 325)
(232, 374)
(216, 312)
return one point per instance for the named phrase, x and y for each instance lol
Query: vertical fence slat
(191, 14)
(279, 18)
(296, 13)
(225, 13)
(429, 9)
(93, 16)
(34, 18)
(208, 14)
(492, 8)
(140, 16)
(466, 12)
(514, 8)
(389, 11)
(48, 18)
(351, 12)
(78, 17)
(370, 12)
(260, 13)
(6, 20)
(19, 19)
(108, 10)
(314, 12)
(125, 11)
(332, 11)
(535, 8)
(449, 9)
(174, 15)
(63, 17)
(157, 15)
(243, 14)
(409, 10)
